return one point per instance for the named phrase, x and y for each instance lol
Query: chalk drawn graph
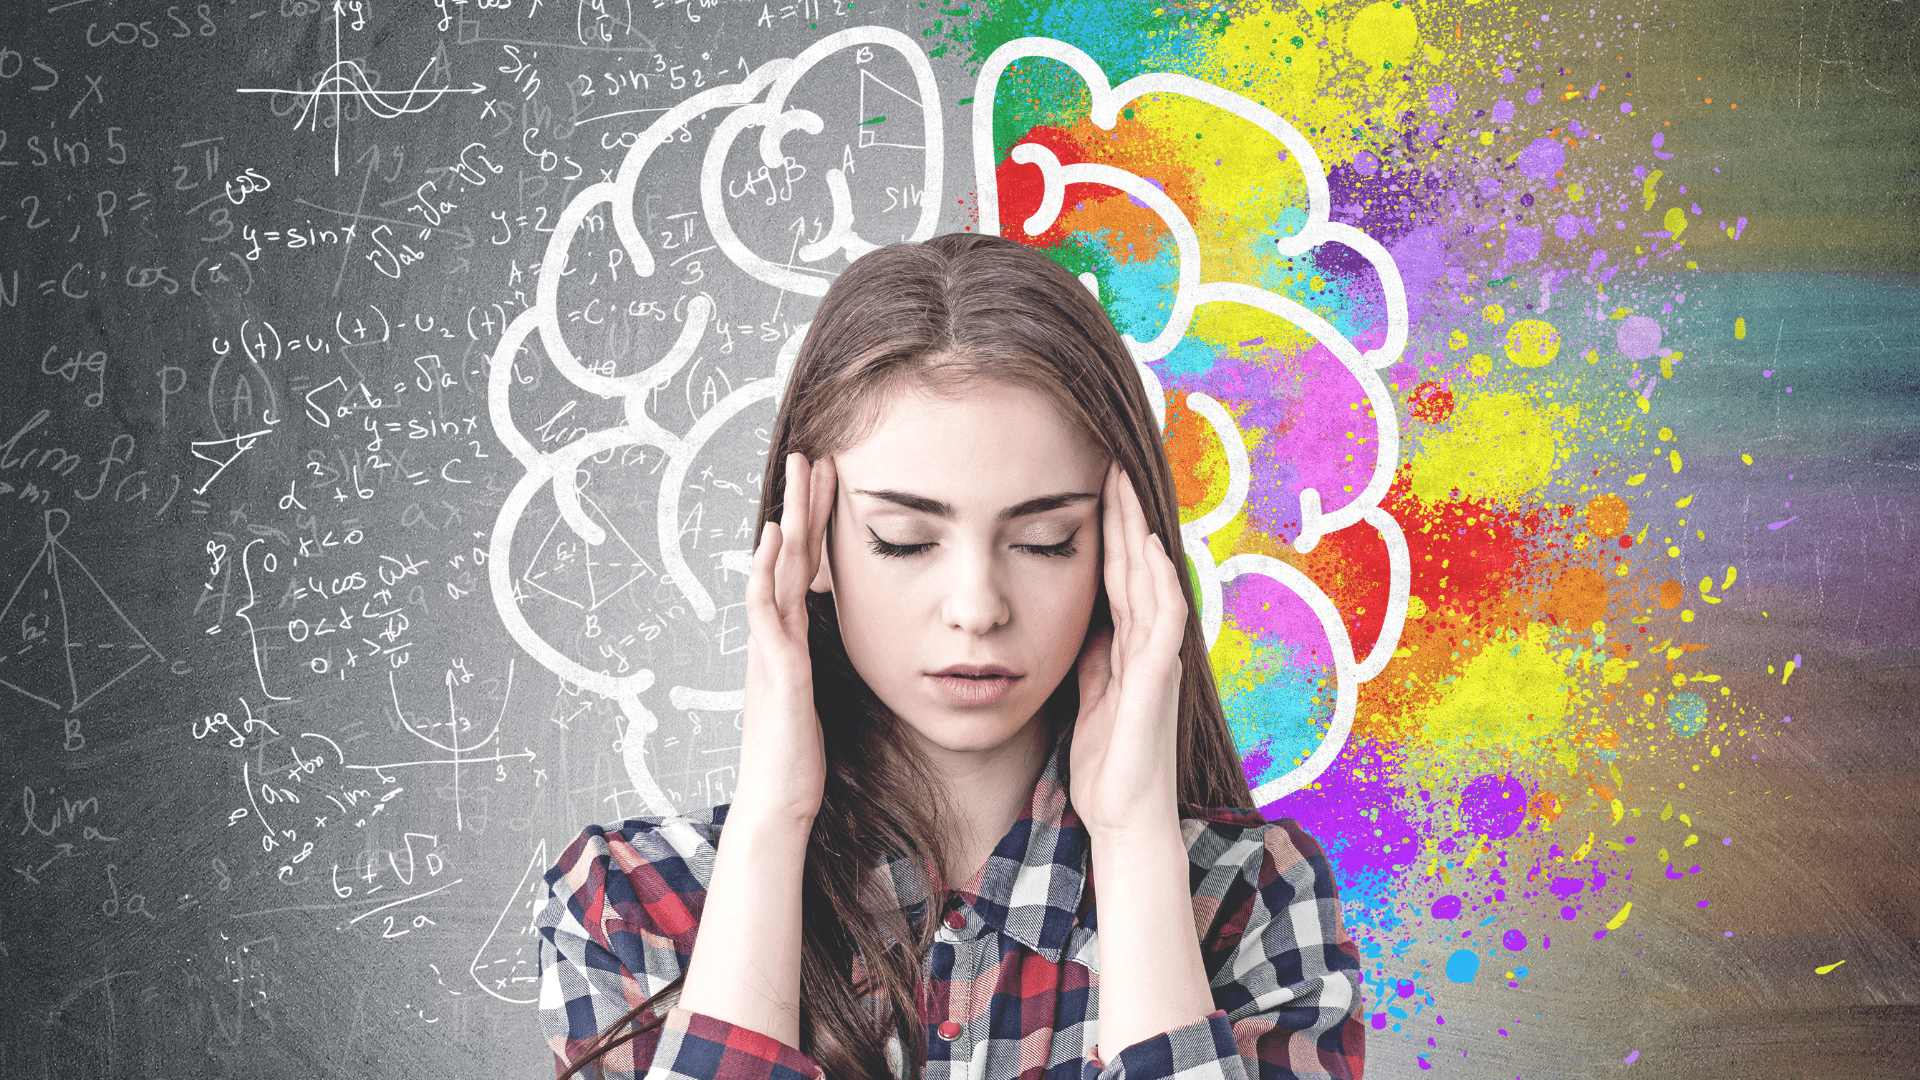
(346, 78)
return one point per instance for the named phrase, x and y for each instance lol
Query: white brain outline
(558, 469)
(1191, 292)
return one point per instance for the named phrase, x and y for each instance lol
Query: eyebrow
(924, 505)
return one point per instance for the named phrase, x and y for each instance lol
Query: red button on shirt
(956, 921)
(949, 1030)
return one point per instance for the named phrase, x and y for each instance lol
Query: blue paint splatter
(1687, 714)
(1463, 966)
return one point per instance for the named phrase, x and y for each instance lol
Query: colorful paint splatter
(1521, 768)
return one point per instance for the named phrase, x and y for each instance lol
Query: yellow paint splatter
(1825, 968)
(1493, 313)
(1788, 673)
(1498, 447)
(1676, 222)
(1383, 36)
(1513, 691)
(1620, 920)
(1532, 342)
(1740, 329)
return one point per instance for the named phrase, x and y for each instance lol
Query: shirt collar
(1030, 888)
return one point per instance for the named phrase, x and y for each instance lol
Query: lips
(974, 669)
(974, 685)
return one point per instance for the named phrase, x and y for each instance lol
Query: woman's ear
(823, 576)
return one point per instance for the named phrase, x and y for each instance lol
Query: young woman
(976, 694)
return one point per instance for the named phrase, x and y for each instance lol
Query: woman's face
(965, 559)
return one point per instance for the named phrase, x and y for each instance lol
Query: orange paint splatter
(1607, 515)
(1671, 594)
(1579, 598)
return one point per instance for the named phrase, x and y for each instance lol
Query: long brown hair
(941, 314)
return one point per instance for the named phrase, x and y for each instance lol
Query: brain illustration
(637, 386)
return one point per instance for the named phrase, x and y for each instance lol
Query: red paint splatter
(1022, 186)
(1431, 402)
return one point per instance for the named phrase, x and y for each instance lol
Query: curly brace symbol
(1191, 292)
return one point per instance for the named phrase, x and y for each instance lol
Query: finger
(1113, 546)
(790, 571)
(825, 479)
(1172, 620)
(1140, 585)
(760, 604)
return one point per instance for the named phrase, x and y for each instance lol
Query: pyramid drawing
(63, 638)
(585, 575)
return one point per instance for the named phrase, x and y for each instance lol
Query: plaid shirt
(1011, 984)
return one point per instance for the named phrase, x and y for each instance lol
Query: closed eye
(894, 551)
(1064, 549)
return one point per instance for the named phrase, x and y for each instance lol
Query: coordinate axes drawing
(346, 78)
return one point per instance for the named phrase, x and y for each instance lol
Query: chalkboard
(389, 384)
(387, 409)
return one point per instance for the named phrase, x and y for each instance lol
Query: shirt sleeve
(1284, 973)
(623, 907)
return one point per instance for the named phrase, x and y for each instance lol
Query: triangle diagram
(103, 645)
(585, 575)
(63, 638)
(33, 636)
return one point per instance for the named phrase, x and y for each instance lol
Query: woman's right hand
(745, 967)
(783, 766)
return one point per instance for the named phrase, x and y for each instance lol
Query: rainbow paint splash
(1519, 766)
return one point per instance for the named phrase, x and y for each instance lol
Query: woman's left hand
(1123, 759)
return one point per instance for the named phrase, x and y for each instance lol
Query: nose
(974, 601)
